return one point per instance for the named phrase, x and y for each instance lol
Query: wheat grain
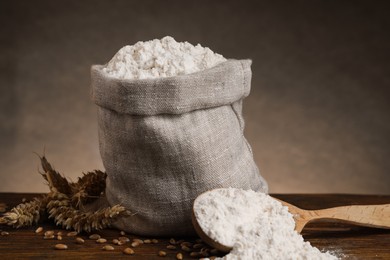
(128, 251)
(61, 247)
(108, 248)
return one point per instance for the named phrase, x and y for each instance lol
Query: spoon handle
(363, 215)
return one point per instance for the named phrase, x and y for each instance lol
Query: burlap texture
(164, 141)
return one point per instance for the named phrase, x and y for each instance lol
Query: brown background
(317, 117)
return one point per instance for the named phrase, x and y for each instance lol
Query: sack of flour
(165, 140)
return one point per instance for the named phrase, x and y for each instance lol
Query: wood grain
(349, 241)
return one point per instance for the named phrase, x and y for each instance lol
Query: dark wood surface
(349, 241)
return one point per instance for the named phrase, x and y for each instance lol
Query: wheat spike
(88, 188)
(60, 209)
(54, 178)
(25, 214)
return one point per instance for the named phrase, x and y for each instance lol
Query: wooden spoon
(377, 216)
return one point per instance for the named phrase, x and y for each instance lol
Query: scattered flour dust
(160, 58)
(254, 224)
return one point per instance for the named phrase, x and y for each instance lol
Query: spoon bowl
(208, 240)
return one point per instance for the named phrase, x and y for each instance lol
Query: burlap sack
(164, 141)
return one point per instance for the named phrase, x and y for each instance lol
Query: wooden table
(351, 241)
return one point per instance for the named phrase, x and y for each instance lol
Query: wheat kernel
(135, 244)
(147, 241)
(154, 241)
(101, 240)
(115, 241)
(59, 237)
(4, 233)
(179, 256)
(138, 240)
(124, 239)
(48, 237)
(162, 253)
(61, 246)
(171, 247)
(94, 236)
(172, 241)
(128, 251)
(79, 240)
(39, 230)
(108, 248)
(49, 233)
(72, 234)
(122, 233)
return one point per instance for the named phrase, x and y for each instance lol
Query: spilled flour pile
(254, 224)
(161, 58)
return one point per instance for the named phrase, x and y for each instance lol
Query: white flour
(160, 58)
(254, 224)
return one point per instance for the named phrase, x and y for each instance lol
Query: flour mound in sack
(161, 58)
